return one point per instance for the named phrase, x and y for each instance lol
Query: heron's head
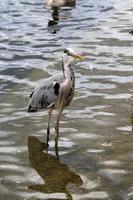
(72, 55)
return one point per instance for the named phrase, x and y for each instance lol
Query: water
(94, 157)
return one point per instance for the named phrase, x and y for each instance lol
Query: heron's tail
(31, 109)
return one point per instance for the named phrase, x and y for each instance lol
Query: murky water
(94, 158)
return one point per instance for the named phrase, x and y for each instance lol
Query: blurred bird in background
(61, 3)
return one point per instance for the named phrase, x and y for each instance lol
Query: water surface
(94, 159)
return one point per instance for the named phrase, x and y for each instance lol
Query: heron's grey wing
(46, 94)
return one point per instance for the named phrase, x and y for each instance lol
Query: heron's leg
(58, 120)
(48, 128)
(56, 147)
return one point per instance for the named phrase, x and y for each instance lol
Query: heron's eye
(67, 52)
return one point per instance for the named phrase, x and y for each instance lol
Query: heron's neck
(66, 67)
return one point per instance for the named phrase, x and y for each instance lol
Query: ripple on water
(12, 167)
(5, 143)
(4, 134)
(115, 175)
(12, 150)
(95, 150)
(91, 195)
(118, 96)
(88, 113)
(63, 142)
(30, 176)
(9, 158)
(126, 129)
(65, 146)
(112, 163)
(83, 136)
(41, 195)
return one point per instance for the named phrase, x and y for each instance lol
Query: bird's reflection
(55, 174)
(55, 7)
(53, 23)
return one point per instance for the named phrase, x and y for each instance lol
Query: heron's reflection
(55, 174)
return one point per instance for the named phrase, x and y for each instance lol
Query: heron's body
(57, 91)
(61, 3)
(49, 93)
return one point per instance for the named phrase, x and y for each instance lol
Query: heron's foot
(44, 145)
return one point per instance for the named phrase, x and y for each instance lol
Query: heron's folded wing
(46, 94)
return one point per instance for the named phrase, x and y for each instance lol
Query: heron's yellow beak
(78, 57)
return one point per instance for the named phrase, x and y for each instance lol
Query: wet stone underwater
(94, 155)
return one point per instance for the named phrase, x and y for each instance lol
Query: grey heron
(57, 91)
(61, 3)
